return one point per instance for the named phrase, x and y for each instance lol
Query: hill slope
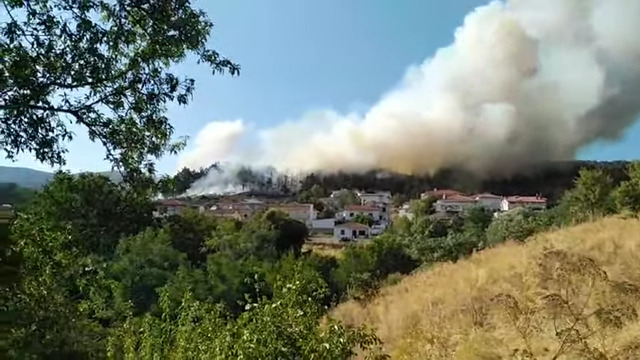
(568, 294)
(35, 179)
(24, 177)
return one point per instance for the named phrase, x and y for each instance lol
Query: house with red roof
(440, 193)
(489, 201)
(531, 202)
(455, 204)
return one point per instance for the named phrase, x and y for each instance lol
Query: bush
(591, 196)
(517, 225)
(189, 232)
(287, 327)
(628, 194)
(144, 263)
(362, 269)
(450, 248)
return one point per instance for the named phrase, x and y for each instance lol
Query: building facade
(488, 201)
(375, 198)
(530, 202)
(377, 213)
(301, 212)
(351, 231)
(455, 204)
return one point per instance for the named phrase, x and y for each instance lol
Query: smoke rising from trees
(525, 81)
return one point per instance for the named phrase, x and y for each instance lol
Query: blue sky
(298, 56)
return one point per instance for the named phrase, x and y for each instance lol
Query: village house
(323, 225)
(231, 212)
(488, 201)
(440, 193)
(301, 212)
(454, 204)
(237, 209)
(337, 193)
(531, 202)
(378, 214)
(351, 231)
(375, 198)
(169, 207)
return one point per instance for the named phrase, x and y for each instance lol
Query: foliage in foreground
(90, 282)
(284, 327)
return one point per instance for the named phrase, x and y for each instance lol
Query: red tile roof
(487, 196)
(353, 226)
(292, 206)
(527, 199)
(458, 198)
(361, 208)
(440, 193)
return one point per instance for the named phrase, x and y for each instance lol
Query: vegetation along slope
(567, 294)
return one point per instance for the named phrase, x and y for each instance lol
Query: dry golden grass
(568, 294)
(324, 249)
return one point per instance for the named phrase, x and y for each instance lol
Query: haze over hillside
(35, 179)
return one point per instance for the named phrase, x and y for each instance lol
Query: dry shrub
(570, 294)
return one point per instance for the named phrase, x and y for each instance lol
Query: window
(384, 209)
(350, 214)
(342, 232)
(362, 233)
(371, 214)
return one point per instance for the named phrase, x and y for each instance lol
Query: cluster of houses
(454, 202)
(346, 225)
(376, 207)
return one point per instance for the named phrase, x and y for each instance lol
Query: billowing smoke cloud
(214, 142)
(233, 178)
(524, 81)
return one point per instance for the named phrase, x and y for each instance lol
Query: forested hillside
(15, 195)
(27, 178)
(548, 179)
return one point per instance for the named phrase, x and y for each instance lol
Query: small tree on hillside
(628, 194)
(422, 207)
(591, 196)
(363, 219)
(516, 225)
(476, 221)
(347, 197)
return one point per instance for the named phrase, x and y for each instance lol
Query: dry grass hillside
(568, 294)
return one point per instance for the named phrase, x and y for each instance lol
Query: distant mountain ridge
(35, 179)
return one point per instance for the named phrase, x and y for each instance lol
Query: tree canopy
(103, 65)
(628, 194)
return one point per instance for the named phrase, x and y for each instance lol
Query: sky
(297, 56)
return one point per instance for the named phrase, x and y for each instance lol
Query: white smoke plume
(524, 81)
(215, 141)
(233, 178)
